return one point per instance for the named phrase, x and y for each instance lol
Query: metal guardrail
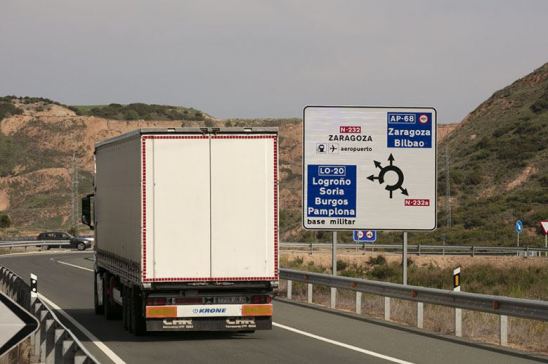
(53, 342)
(27, 243)
(499, 305)
(420, 249)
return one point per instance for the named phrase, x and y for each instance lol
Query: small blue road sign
(519, 226)
(365, 236)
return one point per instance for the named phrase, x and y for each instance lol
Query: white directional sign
(369, 168)
(15, 324)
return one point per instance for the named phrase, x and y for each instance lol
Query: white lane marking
(105, 349)
(338, 343)
(321, 338)
(73, 265)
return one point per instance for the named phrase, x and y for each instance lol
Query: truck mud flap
(210, 324)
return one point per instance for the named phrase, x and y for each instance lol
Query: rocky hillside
(498, 169)
(45, 147)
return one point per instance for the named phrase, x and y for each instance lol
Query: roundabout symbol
(390, 168)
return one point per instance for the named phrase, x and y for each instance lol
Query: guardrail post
(80, 357)
(309, 292)
(387, 308)
(473, 250)
(420, 315)
(333, 297)
(11, 285)
(419, 250)
(503, 330)
(58, 345)
(43, 334)
(358, 302)
(458, 322)
(49, 340)
(36, 337)
(289, 288)
(68, 351)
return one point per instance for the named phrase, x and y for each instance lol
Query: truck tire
(110, 308)
(98, 308)
(125, 308)
(138, 323)
(130, 322)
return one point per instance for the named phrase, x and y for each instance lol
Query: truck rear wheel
(110, 308)
(125, 308)
(137, 319)
(98, 308)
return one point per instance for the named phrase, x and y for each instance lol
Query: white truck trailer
(186, 228)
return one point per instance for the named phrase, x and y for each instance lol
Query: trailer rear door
(177, 217)
(243, 206)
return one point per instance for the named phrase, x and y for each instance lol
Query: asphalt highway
(300, 335)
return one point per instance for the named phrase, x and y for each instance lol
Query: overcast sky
(270, 58)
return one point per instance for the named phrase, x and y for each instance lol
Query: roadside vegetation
(518, 281)
(139, 111)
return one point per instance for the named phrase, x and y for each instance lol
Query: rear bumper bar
(210, 324)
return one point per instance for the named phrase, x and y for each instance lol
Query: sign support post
(334, 253)
(404, 258)
(334, 266)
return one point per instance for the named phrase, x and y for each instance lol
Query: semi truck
(186, 228)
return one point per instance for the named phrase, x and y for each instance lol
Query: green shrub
(7, 108)
(138, 111)
(5, 221)
(377, 260)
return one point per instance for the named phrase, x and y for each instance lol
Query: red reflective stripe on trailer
(144, 206)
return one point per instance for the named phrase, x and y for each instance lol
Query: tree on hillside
(5, 221)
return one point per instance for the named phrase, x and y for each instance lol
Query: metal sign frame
(434, 140)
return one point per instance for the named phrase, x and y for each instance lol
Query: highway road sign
(15, 324)
(365, 236)
(518, 226)
(544, 224)
(369, 168)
